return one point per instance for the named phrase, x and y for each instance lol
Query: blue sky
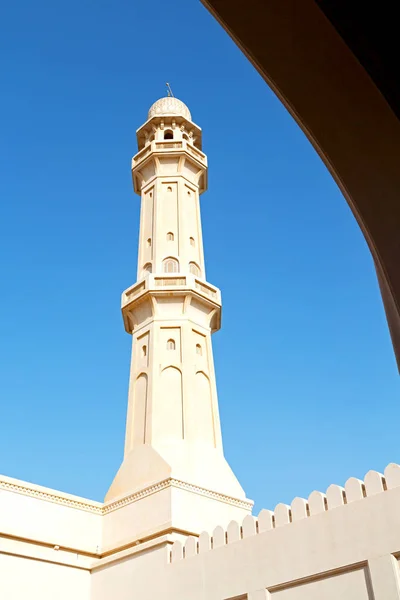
(307, 381)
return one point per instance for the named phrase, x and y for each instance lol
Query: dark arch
(352, 114)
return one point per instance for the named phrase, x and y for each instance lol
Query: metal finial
(169, 91)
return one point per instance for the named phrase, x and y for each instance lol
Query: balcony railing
(142, 154)
(168, 145)
(169, 281)
(205, 289)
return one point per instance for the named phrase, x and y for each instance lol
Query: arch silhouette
(351, 117)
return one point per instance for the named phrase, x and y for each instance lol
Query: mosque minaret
(173, 444)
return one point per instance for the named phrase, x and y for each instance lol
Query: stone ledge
(76, 502)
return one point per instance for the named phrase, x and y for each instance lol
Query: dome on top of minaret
(169, 106)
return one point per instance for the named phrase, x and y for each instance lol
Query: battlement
(318, 502)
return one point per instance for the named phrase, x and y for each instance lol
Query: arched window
(149, 241)
(199, 349)
(170, 236)
(144, 350)
(171, 265)
(192, 243)
(168, 134)
(185, 137)
(194, 269)
(147, 268)
(171, 344)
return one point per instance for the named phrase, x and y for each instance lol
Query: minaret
(173, 434)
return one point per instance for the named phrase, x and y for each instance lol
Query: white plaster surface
(346, 586)
(37, 513)
(347, 551)
(22, 578)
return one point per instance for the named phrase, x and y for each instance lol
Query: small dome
(169, 106)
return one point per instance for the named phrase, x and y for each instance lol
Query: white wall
(23, 579)
(47, 542)
(342, 545)
(40, 514)
(338, 545)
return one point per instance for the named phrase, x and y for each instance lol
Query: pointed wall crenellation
(335, 496)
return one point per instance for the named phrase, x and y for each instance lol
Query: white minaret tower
(173, 445)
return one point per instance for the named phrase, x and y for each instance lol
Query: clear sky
(307, 381)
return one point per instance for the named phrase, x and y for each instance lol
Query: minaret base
(170, 506)
(198, 464)
(149, 497)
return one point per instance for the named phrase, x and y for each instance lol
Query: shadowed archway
(332, 64)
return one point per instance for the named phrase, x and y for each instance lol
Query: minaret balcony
(186, 287)
(169, 158)
(168, 147)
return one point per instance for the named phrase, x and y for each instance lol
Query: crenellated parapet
(335, 496)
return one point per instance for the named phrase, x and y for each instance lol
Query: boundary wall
(343, 544)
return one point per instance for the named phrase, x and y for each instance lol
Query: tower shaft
(173, 429)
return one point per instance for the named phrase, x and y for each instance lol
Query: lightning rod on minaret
(169, 91)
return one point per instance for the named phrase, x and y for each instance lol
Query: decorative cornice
(240, 503)
(152, 489)
(176, 483)
(49, 496)
(103, 509)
